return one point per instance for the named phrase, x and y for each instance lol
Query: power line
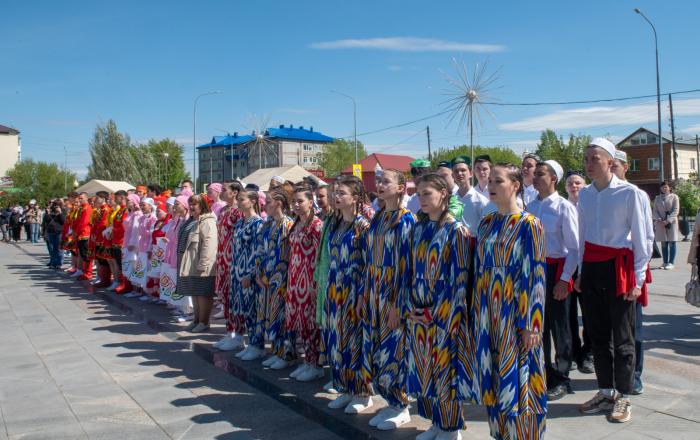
(514, 104)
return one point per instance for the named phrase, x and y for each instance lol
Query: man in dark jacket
(52, 226)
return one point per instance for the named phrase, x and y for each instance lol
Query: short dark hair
(187, 181)
(121, 192)
(155, 188)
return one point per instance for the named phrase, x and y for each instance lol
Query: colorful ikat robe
(272, 261)
(509, 298)
(387, 284)
(343, 336)
(243, 299)
(436, 353)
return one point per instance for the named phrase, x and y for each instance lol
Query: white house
(10, 149)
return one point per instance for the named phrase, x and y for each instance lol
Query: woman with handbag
(665, 212)
(692, 288)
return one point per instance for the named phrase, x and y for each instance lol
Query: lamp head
(637, 10)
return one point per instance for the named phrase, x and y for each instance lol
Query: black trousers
(581, 345)
(611, 326)
(557, 333)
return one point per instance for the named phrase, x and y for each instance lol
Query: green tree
(339, 155)
(497, 154)
(112, 156)
(38, 180)
(569, 154)
(688, 194)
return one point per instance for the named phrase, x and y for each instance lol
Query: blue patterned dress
(243, 300)
(436, 352)
(509, 298)
(343, 339)
(272, 260)
(387, 283)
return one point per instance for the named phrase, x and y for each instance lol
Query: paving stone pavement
(78, 364)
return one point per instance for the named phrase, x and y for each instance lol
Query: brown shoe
(599, 403)
(622, 411)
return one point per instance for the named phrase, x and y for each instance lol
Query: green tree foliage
(688, 194)
(114, 157)
(339, 155)
(38, 180)
(569, 154)
(497, 154)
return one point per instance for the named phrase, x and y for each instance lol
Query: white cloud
(408, 44)
(586, 117)
(692, 129)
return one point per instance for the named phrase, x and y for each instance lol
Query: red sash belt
(624, 267)
(560, 269)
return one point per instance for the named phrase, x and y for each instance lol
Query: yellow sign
(357, 170)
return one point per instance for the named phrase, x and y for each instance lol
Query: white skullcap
(621, 156)
(604, 144)
(278, 179)
(170, 201)
(149, 201)
(558, 170)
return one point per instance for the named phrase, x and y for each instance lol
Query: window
(634, 165)
(692, 163)
(653, 164)
(306, 159)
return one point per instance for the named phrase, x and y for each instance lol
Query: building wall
(9, 152)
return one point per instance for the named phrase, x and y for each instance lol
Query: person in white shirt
(528, 170)
(476, 206)
(482, 169)
(620, 167)
(614, 253)
(580, 342)
(560, 221)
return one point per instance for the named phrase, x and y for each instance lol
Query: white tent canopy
(110, 186)
(263, 176)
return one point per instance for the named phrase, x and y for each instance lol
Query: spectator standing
(52, 226)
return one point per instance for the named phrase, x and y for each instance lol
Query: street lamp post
(658, 93)
(354, 117)
(165, 176)
(194, 135)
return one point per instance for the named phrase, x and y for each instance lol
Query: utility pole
(697, 158)
(673, 140)
(427, 129)
(65, 170)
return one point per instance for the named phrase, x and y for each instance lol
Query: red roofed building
(385, 161)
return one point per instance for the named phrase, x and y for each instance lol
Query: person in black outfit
(52, 226)
(16, 224)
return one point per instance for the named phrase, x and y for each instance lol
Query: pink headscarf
(216, 187)
(133, 198)
(184, 201)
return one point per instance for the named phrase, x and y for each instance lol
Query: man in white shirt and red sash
(560, 221)
(615, 250)
(620, 167)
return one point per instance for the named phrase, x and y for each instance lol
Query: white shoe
(448, 435)
(113, 286)
(184, 318)
(253, 353)
(669, 266)
(382, 415)
(359, 404)
(271, 360)
(76, 274)
(243, 352)
(300, 369)
(329, 388)
(231, 343)
(97, 281)
(311, 373)
(430, 434)
(218, 315)
(223, 339)
(281, 364)
(396, 418)
(340, 401)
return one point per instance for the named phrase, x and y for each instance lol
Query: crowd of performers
(456, 294)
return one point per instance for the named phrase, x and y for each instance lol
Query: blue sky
(70, 65)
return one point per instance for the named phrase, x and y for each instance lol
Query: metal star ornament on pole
(468, 94)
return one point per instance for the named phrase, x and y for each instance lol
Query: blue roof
(297, 134)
